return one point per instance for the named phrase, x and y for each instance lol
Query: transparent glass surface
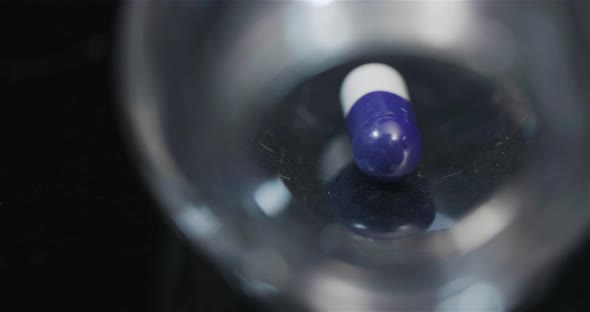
(233, 110)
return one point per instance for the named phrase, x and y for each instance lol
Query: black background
(78, 229)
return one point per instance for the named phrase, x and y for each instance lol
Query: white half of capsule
(368, 78)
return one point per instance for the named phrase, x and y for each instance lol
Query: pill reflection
(380, 210)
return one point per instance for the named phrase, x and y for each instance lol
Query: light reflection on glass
(441, 222)
(197, 221)
(482, 224)
(477, 297)
(272, 197)
(320, 2)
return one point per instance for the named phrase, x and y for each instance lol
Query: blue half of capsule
(386, 143)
